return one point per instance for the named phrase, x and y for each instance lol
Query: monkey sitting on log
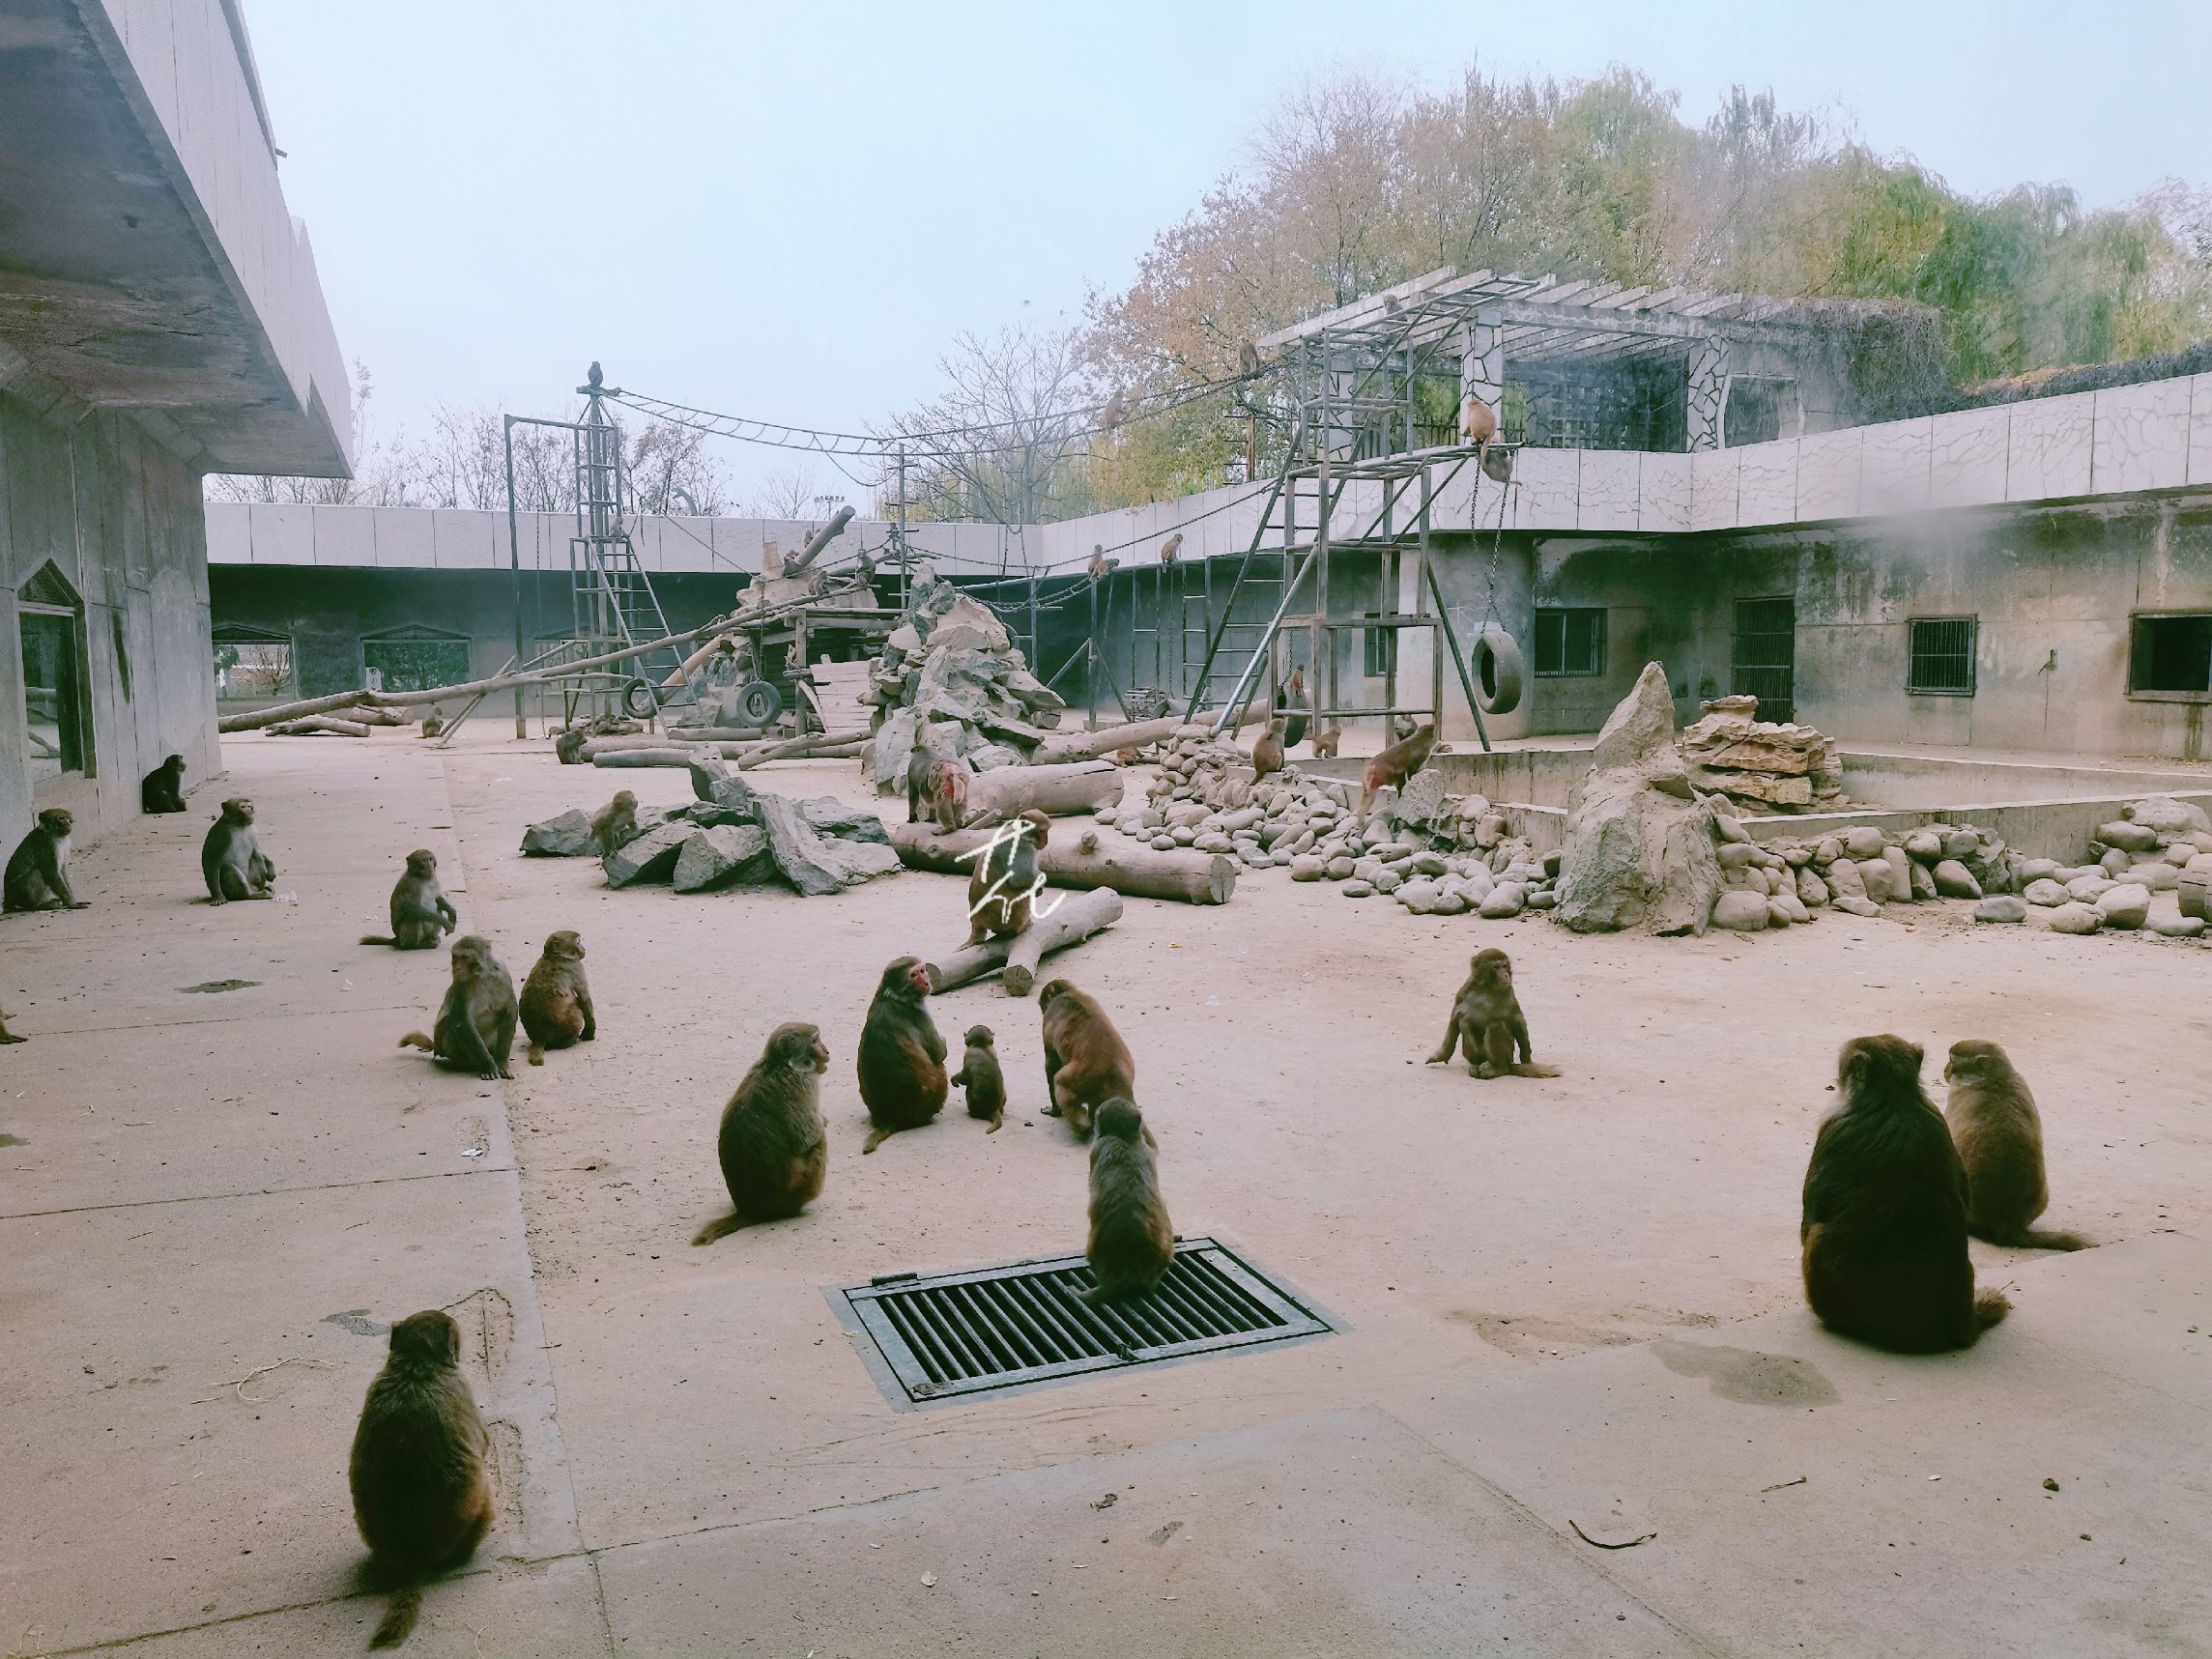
(1267, 753)
(1290, 704)
(1998, 1133)
(475, 1027)
(162, 789)
(615, 823)
(1086, 1063)
(1487, 1023)
(1132, 1241)
(979, 1075)
(421, 1470)
(936, 789)
(1002, 882)
(37, 874)
(773, 1145)
(1884, 1221)
(231, 859)
(555, 1002)
(1397, 764)
(420, 915)
(902, 1058)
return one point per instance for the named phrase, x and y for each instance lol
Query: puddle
(1748, 1377)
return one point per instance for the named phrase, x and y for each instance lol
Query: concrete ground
(1562, 1304)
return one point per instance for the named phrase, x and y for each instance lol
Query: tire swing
(1499, 665)
(760, 702)
(640, 700)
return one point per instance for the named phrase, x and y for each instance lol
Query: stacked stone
(1729, 750)
(2155, 845)
(1859, 869)
(949, 680)
(1205, 796)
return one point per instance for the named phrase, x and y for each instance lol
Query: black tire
(640, 701)
(760, 702)
(1498, 671)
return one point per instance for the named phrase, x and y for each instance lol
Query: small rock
(1387, 880)
(2075, 918)
(1743, 911)
(1545, 900)
(1164, 842)
(1213, 843)
(1356, 889)
(1428, 863)
(2114, 863)
(2128, 837)
(1952, 881)
(1308, 868)
(2178, 927)
(1923, 847)
(1918, 878)
(1340, 866)
(1796, 857)
(2003, 907)
(2036, 869)
(1829, 850)
(1182, 835)
(1862, 842)
(2127, 905)
(2089, 889)
(1736, 855)
(1730, 830)
(1855, 904)
(2157, 876)
(1812, 891)
(1962, 843)
(1451, 905)
(1507, 900)
(1785, 907)
(2046, 893)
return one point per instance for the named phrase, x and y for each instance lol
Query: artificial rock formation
(1639, 847)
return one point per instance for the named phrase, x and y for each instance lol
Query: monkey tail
(377, 939)
(2039, 1239)
(537, 1053)
(720, 1227)
(399, 1617)
(1528, 1068)
(415, 1039)
(876, 1138)
(1989, 1307)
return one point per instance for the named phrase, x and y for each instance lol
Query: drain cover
(968, 1333)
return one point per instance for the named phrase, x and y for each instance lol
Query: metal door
(1765, 659)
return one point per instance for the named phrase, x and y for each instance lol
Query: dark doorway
(1764, 661)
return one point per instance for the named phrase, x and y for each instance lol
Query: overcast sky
(787, 211)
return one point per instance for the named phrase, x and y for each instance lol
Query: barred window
(1571, 641)
(1943, 656)
(2171, 653)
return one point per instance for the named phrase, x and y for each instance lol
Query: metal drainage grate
(998, 1327)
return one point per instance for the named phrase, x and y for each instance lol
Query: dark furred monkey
(37, 874)
(476, 1029)
(1002, 882)
(1487, 1023)
(902, 1058)
(555, 1002)
(421, 1470)
(773, 1146)
(979, 1075)
(231, 858)
(1132, 1241)
(1086, 1063)
(1885, 1227)
(1998, 1132)
(1290, 704)
(162, 789)
(420, 915)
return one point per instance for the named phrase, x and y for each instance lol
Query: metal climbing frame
(612, 598)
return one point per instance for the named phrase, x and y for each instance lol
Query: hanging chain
(1497, 549)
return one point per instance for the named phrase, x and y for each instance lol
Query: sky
(787, 211)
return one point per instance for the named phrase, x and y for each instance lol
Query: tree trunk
(1090, 745)
(1081, 787)
(813, 743)
(1193, 877)
(1073, 920)
(319, 725)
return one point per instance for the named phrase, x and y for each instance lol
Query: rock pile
(2155, 845)
(1861, 869)
(950, 681)
(1731, 751)
(732, 836)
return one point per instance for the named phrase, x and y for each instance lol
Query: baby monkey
(980, 1075)
(1487, 1023)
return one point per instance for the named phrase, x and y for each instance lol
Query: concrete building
(160, 318)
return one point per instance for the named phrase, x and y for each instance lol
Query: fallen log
(1074, 919)
(1079, 786)
(625, 759)
(1137, 871)
(1090, 745)
(318, 726)
(796, 748)
(657, 754)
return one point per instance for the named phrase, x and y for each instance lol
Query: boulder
(1847, 881)
(813, 863)
(2127, 905)
(1736, 855)
(651, 856)
(1543, 901)
(2128, 837)
(1507, 900)
(2178, 927)
(1419, 897)
(889, 751)
(1923, 847)
(1428, 863)
(828, 816)
(1356, 889)
(1420, 800)
(2046, 893)
(1901, 869)
(722, 855)
(2167, 816)
(1387, 879)
(568, 836)
(2114, 863)
(1855, 904)
(2075, 918)
(1743, 911)
(1308, 868)
(2089, 889)
(1881, 883)
(1812, 891)
(1953, 880)
(968, 625)
(1729, 829)
(2036, 869)
(2003, 907)
(1785, 907)
(1340, 866)
(2159, 878)
(1962, 843)
(1862, 842)
(1918, 878)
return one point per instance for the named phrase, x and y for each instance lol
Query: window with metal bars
(1571, 641)
(2171, 655)
(1942, 657)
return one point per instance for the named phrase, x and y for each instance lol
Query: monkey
(1099, 567)
(555, 1002)
(773, 1145)
(1002, 882)
(1267, 753)
(231, 858)
(1477, 422)
(1125, 756)
(1290, 704)
(902, 1058)
(568, 745)
(1170, 548)
(1248, 357)
(985, 1082)
(475, 1027)
(1397, 764)
(1885, 1219)
(37, 874)
(1133, 1243)
(7, 1036)
(1114, 414)
(162, 789)
(1086, 1063)
(1498, 466)
(433, 723)
(616, 822)
(1999, 1135)
(1325, 743)
(421, 1470)
(420, 915)
(1487, 1022)
(941, 784)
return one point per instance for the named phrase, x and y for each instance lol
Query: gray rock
(1163, 842)
(1962, 843)
(1507, 900)
(1213, 841)
(888, 751)
(1340, 866)
(1812, 891)
(1879, 881)
(1421, 800)
(1953, 880)
(1862, 842)
(1545, 900)
(2003, 907)
(1388, 880)
(1855, 904)
(1454, 905)
(2159, 878)
(1901, 867)
(2114, 863)
(1736, 855)
(2046, 893)
(2036, 869)
(2127, 905)
(1743, 911)
(2166, 815)
(1182, 835)
(1785, 907)
(2128, 837)
(1356, 889)
(1917, 877)
(1428, 863)
(1796, 857)
(2178, 927)
(1923, 847)
(722, 855)
(2075, 918)
(1419, 897)
(1829, 850)
(2089, 889)
(1846, 880)
(651, 856)
(828, 816)
(813, 863)
(1729, 829)
(568, 836)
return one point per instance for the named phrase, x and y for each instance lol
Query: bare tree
(788, 493)
(1004, 441)
(670, 472)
